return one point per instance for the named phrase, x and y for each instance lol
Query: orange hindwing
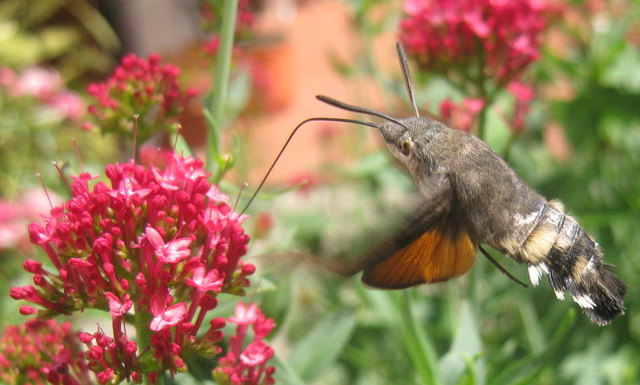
(432, 257)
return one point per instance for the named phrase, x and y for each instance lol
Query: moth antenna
(402, 55)
(264, 179)
(362, 110)
(135, 134)
(502, 269)
(44, 188)
(75, 147)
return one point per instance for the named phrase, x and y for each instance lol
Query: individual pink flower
(169, 252)
(257, 353)
(118, 307)
(476, 39)
(205, 281)
(165, 317)
(245, 315)
(153, 245)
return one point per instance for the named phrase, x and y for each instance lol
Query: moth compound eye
(405, 146)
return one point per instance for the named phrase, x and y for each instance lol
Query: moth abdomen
(559, 247)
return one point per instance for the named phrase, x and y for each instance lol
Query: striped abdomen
(559, 247)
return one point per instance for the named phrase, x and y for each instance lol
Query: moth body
(481, 196)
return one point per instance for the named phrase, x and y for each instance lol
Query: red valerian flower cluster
(154, 247)
(494, 39)
(247, 365)
(138, 86)
(41, 352)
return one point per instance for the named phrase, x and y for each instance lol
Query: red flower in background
(494, 39)
(522, 95)
(461, 116)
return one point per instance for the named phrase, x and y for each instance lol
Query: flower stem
(143, 333)
(218, 94)
(482, 121)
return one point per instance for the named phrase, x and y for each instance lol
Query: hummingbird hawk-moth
(471, 196)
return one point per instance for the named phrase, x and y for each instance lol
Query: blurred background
(552, 86)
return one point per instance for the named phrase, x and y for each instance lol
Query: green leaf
(525, 370)
(322, 345)
(237, 96)
(419, 348)
(464, 350)
(285, 374)
(624, 72)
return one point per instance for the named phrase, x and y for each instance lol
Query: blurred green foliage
(68, 34)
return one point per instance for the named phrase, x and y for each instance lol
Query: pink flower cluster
(138, 86)
(462, 116)
(247, 365)
(493, 39)
(41, 352)
(154, 247)
(46, 86)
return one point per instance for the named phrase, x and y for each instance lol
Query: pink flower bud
(27, 310)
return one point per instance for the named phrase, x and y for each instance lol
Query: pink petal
(172, 316)
(245, 315)
(154, 237)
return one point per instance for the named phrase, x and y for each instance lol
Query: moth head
(409, 142)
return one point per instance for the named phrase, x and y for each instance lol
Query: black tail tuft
(606, 291)
(578, 269)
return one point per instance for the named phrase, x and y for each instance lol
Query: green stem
(482, 121)
(143, 333)
(419, 348)
(220, 84)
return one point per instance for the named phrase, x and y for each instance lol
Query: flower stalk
(218, 96)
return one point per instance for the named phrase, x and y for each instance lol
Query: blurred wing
(435, 256)
(432, 247)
